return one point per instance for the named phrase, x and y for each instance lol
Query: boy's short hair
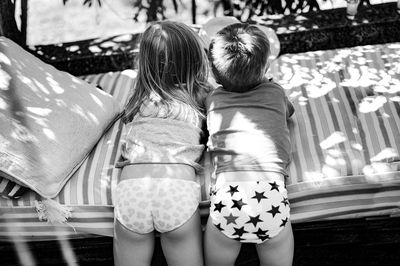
(239, 56)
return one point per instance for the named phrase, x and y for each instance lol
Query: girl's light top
(157, 135)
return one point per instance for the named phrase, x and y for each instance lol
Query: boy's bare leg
(277, 251)
(219, 249)
(130, 248)
(183, 246)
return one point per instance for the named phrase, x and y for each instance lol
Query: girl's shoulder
(173, 111)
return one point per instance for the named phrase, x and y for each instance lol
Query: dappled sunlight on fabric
(22, 133)
(96, 100)
(396, 68)
(387, 83)
(41, 87)
(329, 171)
(342, 53)
(335, 138)
(4, 59)
(4, 143)
(367, 77)
(300, 76)
(40, 119)
(302, 100)
(359, 73)
(386, 155)
(314, 177)
(39, 111)
(356, 146)
(60, 102)
(287, 74)
(294, 94)
(319, 85)
(94, 118)
(372, 171)
(129, 73)
(54, 84)
(90, 117)
(352, 81)
(371, 103)
(395, 99)
(76, 81)
(4, 80)
(252, 145)
(105, 183)
(327, 67)
(49, 133)
(25, 80)
(334, 159)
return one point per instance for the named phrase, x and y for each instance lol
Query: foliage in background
(86, 2)
(8, 25)
(245, 9)
(152, 9)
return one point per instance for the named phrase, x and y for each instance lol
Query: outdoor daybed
(344, 182)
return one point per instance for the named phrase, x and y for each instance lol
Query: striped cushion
(345, 132)
(345, 153)
(10, 189)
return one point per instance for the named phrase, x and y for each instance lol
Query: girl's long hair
(172, 68)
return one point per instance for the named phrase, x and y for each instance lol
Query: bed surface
(345, 137)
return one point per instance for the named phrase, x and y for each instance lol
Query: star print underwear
(250, 211)
(163, 204)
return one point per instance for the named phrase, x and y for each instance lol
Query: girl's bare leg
(277, 251)
(183, 246)
(219, 249)
(130, 248)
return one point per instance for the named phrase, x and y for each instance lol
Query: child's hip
(249, 211)
(146, 204)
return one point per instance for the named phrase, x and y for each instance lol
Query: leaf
(175, 5)
(87, 2)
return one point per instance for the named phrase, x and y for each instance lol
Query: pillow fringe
(53, 212)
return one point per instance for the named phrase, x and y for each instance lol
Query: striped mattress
(345, 146)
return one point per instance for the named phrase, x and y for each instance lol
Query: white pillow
(49, 120)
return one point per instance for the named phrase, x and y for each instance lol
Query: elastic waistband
(244, 176)
(174, 171)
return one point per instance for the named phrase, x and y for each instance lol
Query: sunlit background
(50, 21)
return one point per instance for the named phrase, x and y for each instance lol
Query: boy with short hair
(250, 147)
